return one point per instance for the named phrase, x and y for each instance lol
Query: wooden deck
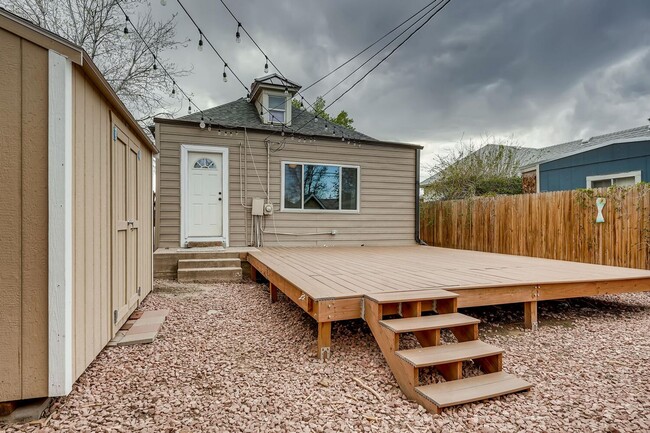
(329, 283)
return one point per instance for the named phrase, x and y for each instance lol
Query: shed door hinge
(139, 291)
(114, 316)
(114, 133)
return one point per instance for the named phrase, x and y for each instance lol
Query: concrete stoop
(218, 267)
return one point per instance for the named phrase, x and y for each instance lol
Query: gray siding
(571, 172)
(387, 215)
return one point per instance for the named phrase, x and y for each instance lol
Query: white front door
(204, 196)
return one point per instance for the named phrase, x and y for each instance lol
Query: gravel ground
(228, 361)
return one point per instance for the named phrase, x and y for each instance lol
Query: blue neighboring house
(620, 158)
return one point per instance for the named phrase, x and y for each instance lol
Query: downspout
(417, 199)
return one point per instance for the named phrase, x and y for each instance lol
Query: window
(620, 179)
(205, 163)
(277, 109)
(320, 187)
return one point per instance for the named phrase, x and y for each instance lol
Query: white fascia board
(59, 225)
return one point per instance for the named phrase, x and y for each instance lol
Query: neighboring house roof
(51, 41)
(243, 114)
(558, 151)
(525, 156)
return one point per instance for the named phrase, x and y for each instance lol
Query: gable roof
(562, 150)
(277, 80)
(243, 114)
(525, 156)
(77, 55)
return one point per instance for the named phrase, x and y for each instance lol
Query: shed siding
(571, 172)
(92, 223)
(388, 174)
(23, 219)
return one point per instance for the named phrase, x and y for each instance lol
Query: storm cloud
(545, 71)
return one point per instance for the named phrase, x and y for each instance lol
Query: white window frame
(636, 174)
(302, 188)
(267, 108)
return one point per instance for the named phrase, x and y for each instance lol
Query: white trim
(636, 174)
(59, 146)
(267, 107)
(333, 211)
(185, 150)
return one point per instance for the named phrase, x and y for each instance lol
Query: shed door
(126, 206)
(204, 195)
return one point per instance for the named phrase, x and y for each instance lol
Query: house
(320, 184)
(616, 159)
(513, 157)
(76, 214)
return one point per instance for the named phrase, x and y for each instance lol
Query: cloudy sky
(545, 71)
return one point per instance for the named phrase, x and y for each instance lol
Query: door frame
(185, 151)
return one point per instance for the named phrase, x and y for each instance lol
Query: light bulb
(163, 2)
(301, 103)
(225, 77)
(326, 127)
(266, 65)
(248, 97)
(126, 32)
(286, 90)
(200, 47)
(342, 138)
(238, 35)
(209, 126)
(189, 109)
(202, 124)
(316, 120)
(173, 91)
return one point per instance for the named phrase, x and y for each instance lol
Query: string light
(302, 105)
(189, 106)
(200, 47)
(238, 35)
(202, 124)
(126, 26)
(225, 77)
(286, 90)
(154, 63)
(173, 87)
(248, 97)
(266, 65)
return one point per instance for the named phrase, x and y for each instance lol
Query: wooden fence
(556, 225)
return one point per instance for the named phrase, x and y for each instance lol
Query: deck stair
(210, 268)
(446, 358)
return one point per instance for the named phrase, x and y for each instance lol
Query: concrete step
(210, 275)
(475, 388)
(209, 263)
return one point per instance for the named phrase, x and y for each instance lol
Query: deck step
(472, 389)
(419, 295)
(423, 323)
(437, 355)
(210, 275)
(208, 263)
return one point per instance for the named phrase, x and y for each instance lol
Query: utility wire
(382, 48)
(433, 14)
(368, 47)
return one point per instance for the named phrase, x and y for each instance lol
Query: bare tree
(124, 60)
(490, 166)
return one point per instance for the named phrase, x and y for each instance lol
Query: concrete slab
(27, 411)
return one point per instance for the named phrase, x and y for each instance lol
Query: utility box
(268, 209)
(258, 207)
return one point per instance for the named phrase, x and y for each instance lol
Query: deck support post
(273, 292)
(324, 340)
(530, 315)
(253, 274)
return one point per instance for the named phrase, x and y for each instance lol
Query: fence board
(556, 225)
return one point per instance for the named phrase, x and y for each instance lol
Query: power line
(383, 48)
(368, 47)
(433, 14)
(390, 53)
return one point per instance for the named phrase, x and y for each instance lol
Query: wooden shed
(76, 214)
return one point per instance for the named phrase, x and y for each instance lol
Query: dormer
(272, 96)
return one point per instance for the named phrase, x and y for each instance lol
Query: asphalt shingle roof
(243, 114)
(562, 150)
